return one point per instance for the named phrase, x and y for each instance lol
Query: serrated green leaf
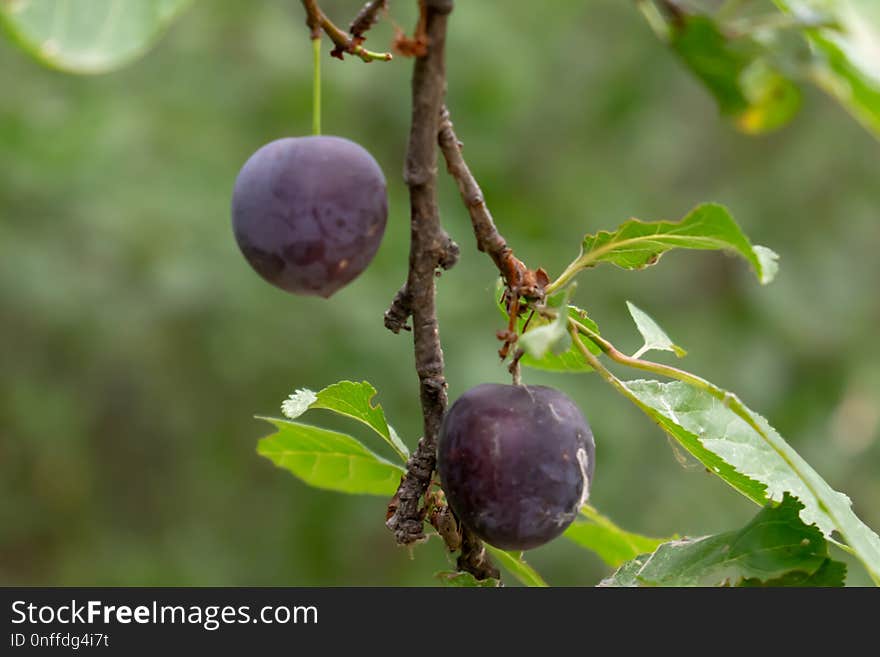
(759, 464)
(513, 563)
(330, 460)
(569, 360)
(847, 54)
(458, 579)
(87, 37)
(638, 244)
(352, 400)
(775, 548)
(654, 336)
(614, 545)
(831, 573)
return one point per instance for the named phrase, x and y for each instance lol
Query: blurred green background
(136, 345)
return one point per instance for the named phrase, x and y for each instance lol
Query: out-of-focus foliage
(754, 55)
(136, 344)
(87, 37)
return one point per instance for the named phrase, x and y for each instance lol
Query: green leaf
(87, 37)
(746, 85)
(654, 336)
(351, 400)
(831, 573)
(513, 563)
(458, 579)
(775, 548)
(614, 545)
(740, 446)
(569, 360)
(846, 62)
(329, 460)
(637, 244)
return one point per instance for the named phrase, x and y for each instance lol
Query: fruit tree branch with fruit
(507, 468)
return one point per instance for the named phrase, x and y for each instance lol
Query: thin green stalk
(563, 278)
(603, 371)
(654, 17)
(316, 85)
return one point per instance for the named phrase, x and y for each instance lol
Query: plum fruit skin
(309, 213)
(516, 463)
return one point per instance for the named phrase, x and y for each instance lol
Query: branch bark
(430, 247)
(519, 278)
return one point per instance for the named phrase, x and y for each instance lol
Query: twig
(366, 18)
(519, 279)
(317, 20)
(516, 275)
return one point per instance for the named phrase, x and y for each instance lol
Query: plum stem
(316, 85)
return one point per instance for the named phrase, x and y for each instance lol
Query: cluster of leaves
(754, 57)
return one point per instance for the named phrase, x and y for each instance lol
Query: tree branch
(428, 248)
(431, 249)
(516, 275)
(317, 20)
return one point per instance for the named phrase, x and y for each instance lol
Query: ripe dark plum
(516, 463)
(309, 213)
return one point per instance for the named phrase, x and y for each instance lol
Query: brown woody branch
(518, 278)
(429, 246)
(317, 20)
(431, 250)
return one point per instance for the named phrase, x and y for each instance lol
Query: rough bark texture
(430, 247)
(516, 275)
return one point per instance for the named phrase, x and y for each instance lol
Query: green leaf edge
(17, 37)
(514, 563)
(279, 423)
